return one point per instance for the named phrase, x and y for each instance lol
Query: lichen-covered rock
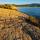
(16, 26)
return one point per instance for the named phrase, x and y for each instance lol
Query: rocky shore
(15, 25)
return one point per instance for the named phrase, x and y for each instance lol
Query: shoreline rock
(15, 25)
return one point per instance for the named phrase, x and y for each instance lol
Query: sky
(18, 1)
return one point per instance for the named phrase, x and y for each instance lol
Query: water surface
(32, 11)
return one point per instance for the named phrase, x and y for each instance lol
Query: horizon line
(19, 4)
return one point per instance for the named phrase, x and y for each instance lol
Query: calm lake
(32, 11)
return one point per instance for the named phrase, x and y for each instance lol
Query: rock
(14, 26)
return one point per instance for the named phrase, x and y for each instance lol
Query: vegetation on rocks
(15, 25)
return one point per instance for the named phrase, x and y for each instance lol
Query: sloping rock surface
(14, 26)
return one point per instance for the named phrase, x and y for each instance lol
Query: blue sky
(19, 1)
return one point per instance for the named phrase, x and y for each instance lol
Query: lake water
(30, 11)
